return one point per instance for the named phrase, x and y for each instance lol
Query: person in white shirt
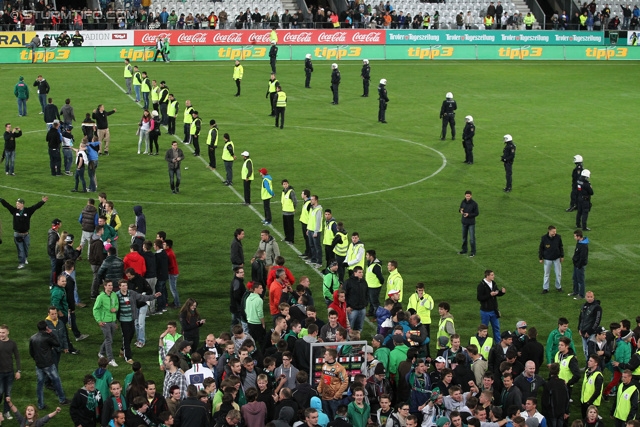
(197, 374)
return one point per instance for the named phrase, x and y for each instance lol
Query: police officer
(366, 77)
(272, 93)
(194, 130)
(584, 192)
(273, 55)
(308, 69)
(335, 82)
(281, 105)
(382, 99)
(448, 116)
(575, 176)
(508, 156)
(467, 139)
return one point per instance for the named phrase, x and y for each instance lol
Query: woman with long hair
(143, 130)
(60, 249)
(137, 387)
(191, 323)
(592, 419)
(30, 417)
(154, 132)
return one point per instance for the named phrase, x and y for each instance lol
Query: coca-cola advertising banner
(260, 37)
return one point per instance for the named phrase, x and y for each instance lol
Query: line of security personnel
(448, 116)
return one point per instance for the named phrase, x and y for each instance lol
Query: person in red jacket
(276, 288)
(339, 305)
(173, 272)
(134, 260)
(279, 264)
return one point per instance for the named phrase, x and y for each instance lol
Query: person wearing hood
(103, 377)
(266, 193)
(141, 220)
(284, 417)
(270, 246)
(580, 260)
(21, 91)
(254, 413)
(575, 176)
(86, 404)
(589, 320)
(316, 404)
(583, 200)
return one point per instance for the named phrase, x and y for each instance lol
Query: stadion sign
(260, 37)
(479, 37)
(100, 38)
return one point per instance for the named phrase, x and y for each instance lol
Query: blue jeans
(557, 267)
(330, 407)
(491, 318)
(9, 161)
(137, 90)
(80, 177)
(161, 286)
(52, 278)
(22, 107)
(50, 372)
(42, 97)
(316, 246)
(173, 285)
(471, 230)
(6, 382)
(92, 177)
(578, 281)
(67, 153)
(23, 246)
(141, 322)
(356, 319)
(145, 98)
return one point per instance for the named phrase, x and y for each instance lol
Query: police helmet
(508, 138)
(449, 95)
(308, 56)
(586, 173)
(469, 118)
(365, 61)
(577, 158)
(383, 81)
(334, 65)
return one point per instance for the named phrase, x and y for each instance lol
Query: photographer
(9, 152)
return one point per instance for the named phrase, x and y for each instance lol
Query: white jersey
(196, 375)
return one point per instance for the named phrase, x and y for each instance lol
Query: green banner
(431, 52)
(478, 37)
(521, 52)
(609, 53)
(334, 53)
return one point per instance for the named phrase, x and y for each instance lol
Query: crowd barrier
(323, 53)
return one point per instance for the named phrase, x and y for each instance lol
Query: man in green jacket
(554, 338)
(21, 91)
(105, 310)
(254, 312)
(398, 354)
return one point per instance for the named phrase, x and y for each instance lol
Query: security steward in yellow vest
(247, 177)
(212, 144)
(330, 229)
(304, 218)
(272, 93)
(137, 82)
(446, 325)
(289, 202)
(163, 93)
(155, 95)
(374, 279)
(146, 90)
(355, 254)
(173, 106)
(128, 75)
(566, 358)
(481, 337)
(592, 385)
(196, 126)
(266, 194)
(625, 407)
(281, 105)
(228, 156)
(340, 246)
(187, 120)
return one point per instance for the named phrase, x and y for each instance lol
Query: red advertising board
(259, 37)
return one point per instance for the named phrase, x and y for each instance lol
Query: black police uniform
(575, 176)
(366, 78)
(308, 69)
(467, 142)
(273, 54)
(448, 116)
(382, 106)
(585, 192)
(335, 83)
(508, 156)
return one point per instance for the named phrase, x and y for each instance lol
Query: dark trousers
(6, 382)
(374, 300)
(174, 178)
(79, 176)
(582, 214)
(257, 332)
(159, 52)
(247, 190)
(272, 61)
(128, 329)
(228, 167)
(163, 113)
(307, 79)
(153, 142)
(365, 86)
(187, 132)
(289, 229)
(329, 255)
(272, 102)
(161, 286)
(448, 119)
(195, 140)
(238, 86)
(574, 197)
(334, 89)
(280, 116)
(307, 246)
(382, 111)
(212, 156)
(171, 125)
(341, 267)
(266, 203)
(508, 170)
(468, 150)
(55, 161)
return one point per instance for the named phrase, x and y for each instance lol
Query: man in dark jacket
(551, 252)
(9, 151)
(102, 124)
(236, 291)
(88, 220)
(488, 293)
(43, 91)
(580, 260)
(589, 320)
(41, 349)
(53, 143)
(98, 254)
(532, 350)
(192, 411)
(86, 404)
(469, 211)
(237, 252)
(555, 398)
(51, 113)
(112, 269)
(356, 292)
(511, 394)
(21, 226)
(162, 275)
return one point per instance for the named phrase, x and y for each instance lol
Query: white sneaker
(138, 152)
(100, 355)
(20, 266)
(7, 415)
(113, 363)
(26, 261)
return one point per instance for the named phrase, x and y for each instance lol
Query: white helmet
(508, 138)
(577, 158)
(365, 61)
(449, 95)
(383, 81)
(586, 173)
(469, 118)
(334, 65)
(308, 56)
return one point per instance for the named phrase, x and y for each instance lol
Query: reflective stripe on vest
(155, 94)
(282, 100)
(264, 194)
(244, 174)
(286, 202)
(226, 156)
(328, 236)
(371, 278)
(340, 249)
(485, 349)
(565, 373)
(589, 388)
